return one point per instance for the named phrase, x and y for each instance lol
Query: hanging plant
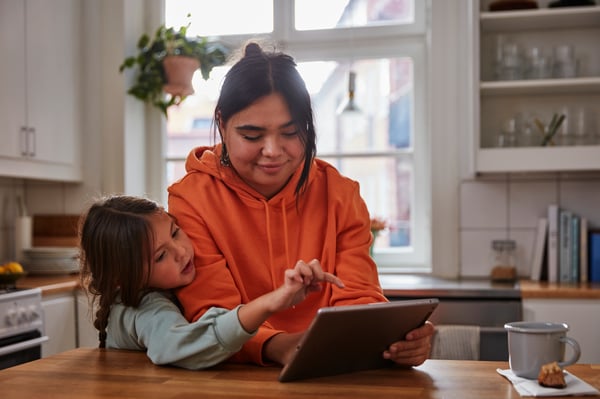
(152, 83)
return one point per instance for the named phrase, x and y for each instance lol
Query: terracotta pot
(179, 71)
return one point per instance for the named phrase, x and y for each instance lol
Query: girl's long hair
(116, 243)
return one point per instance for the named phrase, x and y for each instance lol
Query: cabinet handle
(23, 133)
(31, 142)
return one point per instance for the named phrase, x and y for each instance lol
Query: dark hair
(116, 244)
(259, 73)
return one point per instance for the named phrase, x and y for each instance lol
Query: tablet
(344, 339)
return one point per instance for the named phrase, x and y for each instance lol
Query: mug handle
(576, 351)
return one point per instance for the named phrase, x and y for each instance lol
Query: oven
(21, 326)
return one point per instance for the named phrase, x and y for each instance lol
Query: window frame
(384, 41)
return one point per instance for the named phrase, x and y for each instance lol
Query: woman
(261, 201)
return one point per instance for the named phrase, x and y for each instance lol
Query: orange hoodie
(243, 242)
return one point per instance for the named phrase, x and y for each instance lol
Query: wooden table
(96, 373)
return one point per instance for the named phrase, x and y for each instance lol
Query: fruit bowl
(9, 280)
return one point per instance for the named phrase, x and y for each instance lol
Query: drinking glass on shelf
(526, 134)
(583, 131)
(510, 64)
(564, 135)
(537, 64)
(565, 63)
(508, 134)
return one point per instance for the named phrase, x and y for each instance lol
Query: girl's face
(172, 263)
(264, 144)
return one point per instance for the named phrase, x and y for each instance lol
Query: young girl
(132, 255)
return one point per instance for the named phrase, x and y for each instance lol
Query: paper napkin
(526, 387)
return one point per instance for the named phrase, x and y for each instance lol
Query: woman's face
(173, 254)
(264, 144)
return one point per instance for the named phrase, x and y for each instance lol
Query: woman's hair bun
(252, 49)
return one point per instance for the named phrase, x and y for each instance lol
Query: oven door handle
(5, 350)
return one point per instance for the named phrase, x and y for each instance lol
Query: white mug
(532, 344)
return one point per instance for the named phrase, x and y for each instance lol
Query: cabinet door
(59, 324)
(12, 78)
(39, 89)
(87, 334)
(582, 316)
(52, 78)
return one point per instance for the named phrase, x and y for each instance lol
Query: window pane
(386, 186)
(190, 124)
(175, 171)
(383, 116)
(223, 17)
(328, 14)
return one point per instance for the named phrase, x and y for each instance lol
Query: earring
(225, 156)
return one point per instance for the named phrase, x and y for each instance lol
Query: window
(382, 142)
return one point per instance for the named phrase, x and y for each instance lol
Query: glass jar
(508, 134)
(504, 253)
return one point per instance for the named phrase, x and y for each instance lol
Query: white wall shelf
(538, 159)
(541, 86)
(540, 19)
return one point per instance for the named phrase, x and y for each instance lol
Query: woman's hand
(415, 349)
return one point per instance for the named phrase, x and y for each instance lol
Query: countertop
(397, 286)
(404, 285)
(51, 283)
(100, 373)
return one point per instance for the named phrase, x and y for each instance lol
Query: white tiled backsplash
(9, 190)
(41, 198)
(509, 206)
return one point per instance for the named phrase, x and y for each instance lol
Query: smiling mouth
(188, 267)
(271, 168)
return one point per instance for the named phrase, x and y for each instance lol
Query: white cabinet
(59, 323)
(67, 322)
(582, 316)
(40, 89)
(497, 101)
(87, 335)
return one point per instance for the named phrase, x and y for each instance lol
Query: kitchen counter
(51, 283)
(545, 290)
(399, 285)
(100, 373)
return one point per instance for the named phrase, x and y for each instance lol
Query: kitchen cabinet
(498, 100)
(40, 89)
(582, 316)
(59, 323)
(87, 335)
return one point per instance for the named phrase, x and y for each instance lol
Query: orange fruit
(13, 267)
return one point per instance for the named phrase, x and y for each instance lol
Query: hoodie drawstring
(285, 233)
(275, 279)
